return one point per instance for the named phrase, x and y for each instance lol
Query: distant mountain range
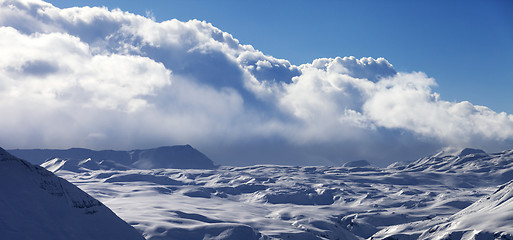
(180, 156)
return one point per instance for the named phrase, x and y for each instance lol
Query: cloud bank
(99, 78)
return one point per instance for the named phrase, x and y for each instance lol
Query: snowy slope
(36, 204)
(494, 168)
(357, 201)
(180, 156)
(470, 160)
(38, 156)
(491, 217)
(82, 165)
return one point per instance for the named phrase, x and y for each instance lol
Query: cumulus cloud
(99, 78)
(408, 102)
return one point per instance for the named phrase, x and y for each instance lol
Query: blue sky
(259, 82)
(467, 46)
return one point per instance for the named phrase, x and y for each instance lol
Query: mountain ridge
(178, 156)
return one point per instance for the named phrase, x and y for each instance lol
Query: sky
(446, 39)
(279, 82)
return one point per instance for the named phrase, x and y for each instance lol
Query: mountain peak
(457, 152)
(5, 155)
(179, 156)
(468, 151)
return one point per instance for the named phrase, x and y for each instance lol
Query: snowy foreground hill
(451, 195)
(36, 204)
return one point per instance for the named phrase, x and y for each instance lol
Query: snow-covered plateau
(466, 194)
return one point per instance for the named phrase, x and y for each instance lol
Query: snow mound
(81, 165)
(161, 180)
(39, 156)
(36, 204)
(398, 165)
(498, 166)
(488, 218)
(468, 151)
(305, 196)
(465, 159)
(458, 152)
(212, 231)
(357, 163)
(185, 157)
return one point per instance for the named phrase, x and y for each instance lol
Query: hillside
(36, 204)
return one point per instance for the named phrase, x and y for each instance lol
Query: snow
(179, 156)
(171, 157)
(313, 202)
(36, 204)
(462, 194)
(357, 163)
(491, 217)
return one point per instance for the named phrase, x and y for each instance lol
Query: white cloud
(407, 101)
(100, 78)
(57, 68)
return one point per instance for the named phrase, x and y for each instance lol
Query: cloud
(99, 78)
(57, 68)
(408, 102)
